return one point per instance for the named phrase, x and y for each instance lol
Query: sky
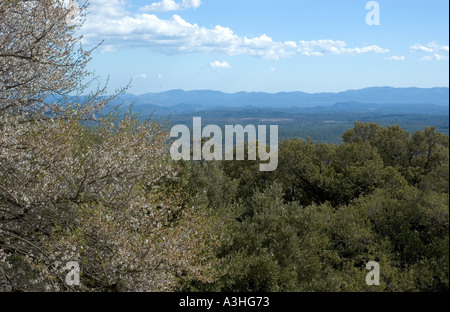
(267, 45)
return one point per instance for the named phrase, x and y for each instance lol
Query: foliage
(75, 186)
(314, 224)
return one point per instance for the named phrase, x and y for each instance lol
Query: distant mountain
(207, 99)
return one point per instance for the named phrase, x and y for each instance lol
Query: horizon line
(297, 91)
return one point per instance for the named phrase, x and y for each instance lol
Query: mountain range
(370, 100)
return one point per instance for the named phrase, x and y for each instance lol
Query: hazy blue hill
(207, 99)
(439, 96)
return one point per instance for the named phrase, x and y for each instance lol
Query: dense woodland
(102, 190)
(313, 224)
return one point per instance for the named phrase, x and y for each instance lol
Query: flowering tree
(37, 51)
(98, 192)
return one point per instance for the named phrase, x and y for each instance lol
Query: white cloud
(107, 49)
(272, 69)
(420, 48)
(217, 64)
(171, 5)
(434, 57)
(192, 3)
(430, 48)
(107, 8)
(434, 49)
(395, 58)
(140, 76)
(327, 46)
(110, 22)
(160, 76)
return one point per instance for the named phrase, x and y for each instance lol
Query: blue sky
(268, 45)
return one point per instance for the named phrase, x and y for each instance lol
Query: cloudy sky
(268, 45)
